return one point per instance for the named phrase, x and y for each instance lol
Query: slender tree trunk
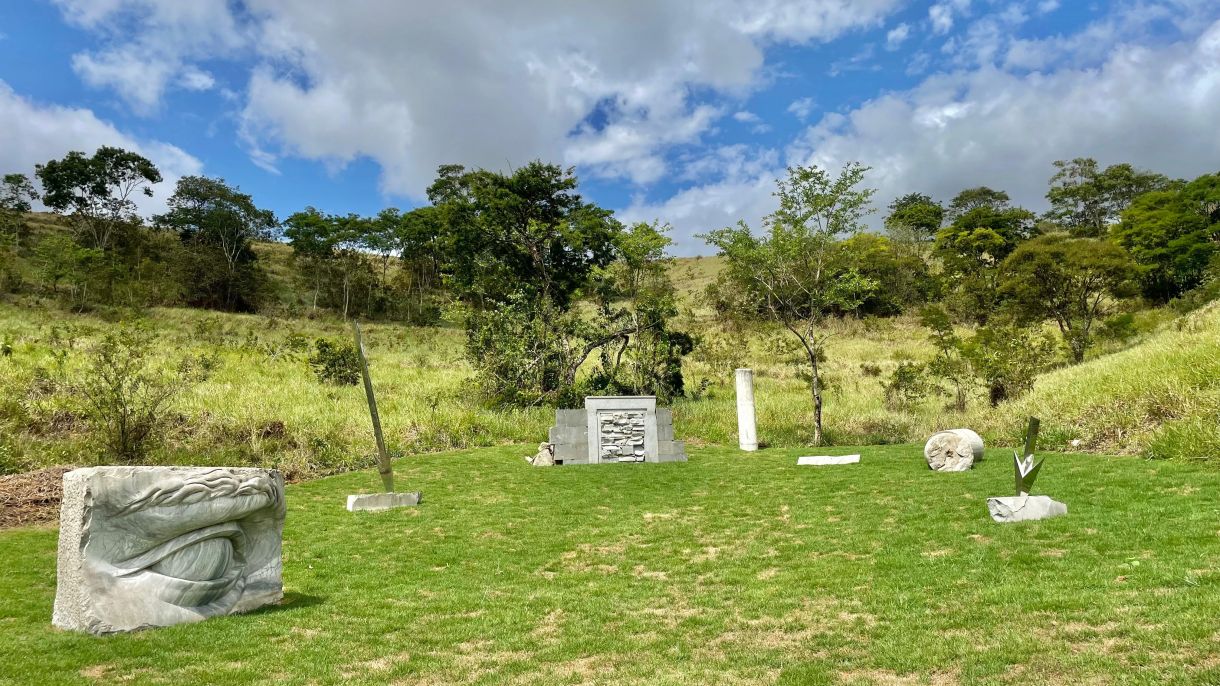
(815, 387)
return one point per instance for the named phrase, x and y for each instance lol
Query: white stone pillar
(747, 432)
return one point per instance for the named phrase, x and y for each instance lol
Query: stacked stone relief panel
(153, 546)
(616, 429)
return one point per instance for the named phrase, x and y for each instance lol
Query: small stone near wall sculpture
(955, 450)
(145, 547)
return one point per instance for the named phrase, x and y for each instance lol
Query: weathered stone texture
(1024, 508)
(955, 450)
(153, 546)
(378, 502)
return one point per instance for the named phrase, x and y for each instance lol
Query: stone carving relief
(154, 546)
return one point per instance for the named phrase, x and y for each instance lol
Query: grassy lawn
(729, 569)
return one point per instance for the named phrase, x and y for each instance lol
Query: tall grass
(263, 405)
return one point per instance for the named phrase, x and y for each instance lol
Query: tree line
(560, 299)
(1113, 237)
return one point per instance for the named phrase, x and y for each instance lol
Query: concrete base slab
(376, 502)
(1024, 508)
(824, 460)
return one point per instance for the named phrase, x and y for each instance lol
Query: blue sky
(679, 111)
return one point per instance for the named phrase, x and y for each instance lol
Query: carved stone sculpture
(153, 546)
(614, 429)
(955, 450)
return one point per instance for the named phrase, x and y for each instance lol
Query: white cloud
(746, 117)
(151, 45)
(942, 14)
(32, 133)
(1153, 107)
(615, 87)
(896, 36)
(802, 107)
(1048, 6)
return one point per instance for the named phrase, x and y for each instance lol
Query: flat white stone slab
(376, 502)
(1024, 508)
(824, 460)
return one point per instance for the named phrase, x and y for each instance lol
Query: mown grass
(728, 569)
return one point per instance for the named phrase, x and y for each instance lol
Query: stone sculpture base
(824, 460)
(1024, 508)
(377, 502)
(144, 547)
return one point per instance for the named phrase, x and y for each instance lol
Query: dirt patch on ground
(32, 497)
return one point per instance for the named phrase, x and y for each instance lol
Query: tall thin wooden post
(384, 467)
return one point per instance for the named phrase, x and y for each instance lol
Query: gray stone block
(143, 547)
(378, 502)
(1024, 508)
(568, 452)
(571, 418)
(672, 451)
(568, 434)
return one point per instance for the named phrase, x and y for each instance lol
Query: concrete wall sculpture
(616, 429)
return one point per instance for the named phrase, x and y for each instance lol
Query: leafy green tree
(16, 194)
(788, 269)
(972, 248)
(520, 250)
(1086, 198)
(218, 221)
(313, 237)
(421, 251)
(328, 250)
(1203, 194)
(1007, 359)
(526, 232)
(636, 295)
(948, 364)
(914, 217)
(97, 192)
(902, 277)
(1072, 281)
(1172, 236)
(971, 199)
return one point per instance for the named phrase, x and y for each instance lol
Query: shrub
(125, 393)
(335, 362)
(907, 385)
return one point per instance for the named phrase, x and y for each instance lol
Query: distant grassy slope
(1161, 397)
(264, 406)
(691, 275)
(728, 570)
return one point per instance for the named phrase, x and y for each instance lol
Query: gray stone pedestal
(1024, 508)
